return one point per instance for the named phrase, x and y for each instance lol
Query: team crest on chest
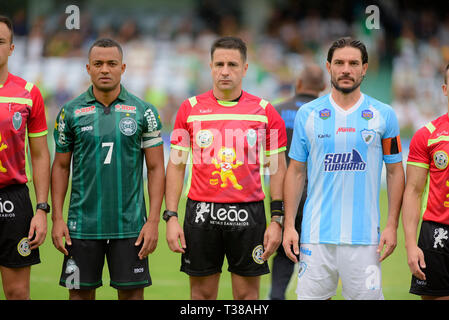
(251, 137)
(368, 136)
(128, 126)
(17, 120)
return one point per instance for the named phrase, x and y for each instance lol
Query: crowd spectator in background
(167, 53)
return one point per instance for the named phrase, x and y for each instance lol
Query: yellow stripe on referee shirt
(214, 117)
(16, 100)
(436, 140)
(418, 164)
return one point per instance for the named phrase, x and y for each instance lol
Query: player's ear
(11, 49)
(364, 68)
(328, 67)
(245, 68)
(444, 87)
(123, 67)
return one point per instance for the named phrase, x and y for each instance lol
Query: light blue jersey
(344, 151)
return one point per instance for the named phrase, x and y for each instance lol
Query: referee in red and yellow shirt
(22, 115)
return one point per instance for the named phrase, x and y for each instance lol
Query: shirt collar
(91, 98)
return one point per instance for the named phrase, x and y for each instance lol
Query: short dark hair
(106, 43)
(229, 43)
(445, 73)
(348, 42)
(8, 22)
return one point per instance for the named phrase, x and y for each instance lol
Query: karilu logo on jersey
(349, 161)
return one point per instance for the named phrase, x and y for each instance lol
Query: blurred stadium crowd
(167, 56)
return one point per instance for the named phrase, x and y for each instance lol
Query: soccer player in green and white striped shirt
(108, 132)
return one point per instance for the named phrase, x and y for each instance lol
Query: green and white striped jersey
(107, 196)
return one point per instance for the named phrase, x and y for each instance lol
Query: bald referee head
(310, 80)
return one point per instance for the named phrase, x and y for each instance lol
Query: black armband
(277, 208)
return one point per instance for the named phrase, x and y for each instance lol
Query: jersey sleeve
(276, 133)
(391, 140)
(63, 135)
(151, 136)
(298, 148)
(418, 153)
(37, 123)
(180, 138)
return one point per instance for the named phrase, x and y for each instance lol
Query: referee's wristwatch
(43, 206)
(168, 214)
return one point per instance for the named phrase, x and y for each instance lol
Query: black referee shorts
(434, 242)
(215, 230)
(16, 212)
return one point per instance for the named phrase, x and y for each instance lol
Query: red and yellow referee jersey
(429, 149)
(227, 142)
(22, 113)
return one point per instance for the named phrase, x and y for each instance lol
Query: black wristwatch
(43, 206)
(168, 214)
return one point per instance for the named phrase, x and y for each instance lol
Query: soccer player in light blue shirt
(342, 140)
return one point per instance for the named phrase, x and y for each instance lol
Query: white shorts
(321, 265)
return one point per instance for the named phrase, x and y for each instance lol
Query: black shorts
(83, 267)
(16, 212)
(434, 242)
(215, 230)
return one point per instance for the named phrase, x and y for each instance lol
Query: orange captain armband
(391, 146)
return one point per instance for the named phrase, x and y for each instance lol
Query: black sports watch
(43, 206)
(168, 214)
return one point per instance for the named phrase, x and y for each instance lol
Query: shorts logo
(440, 159)
(201, 208)
(302, 268)
(138, 270)
(23, 247)
(368, 135)
(372, 282)
(128, 126)
(204, 138)
(257, 254)
(367, 114)
(439, 234)
(230, 217)
(71, 266)
(349, 161)
(17, 120)
(325, 114)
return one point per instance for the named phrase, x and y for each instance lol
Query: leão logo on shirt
(348, 161)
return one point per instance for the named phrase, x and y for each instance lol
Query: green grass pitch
(171, 284)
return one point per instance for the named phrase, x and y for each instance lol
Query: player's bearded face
(105, 68)
(347, 70)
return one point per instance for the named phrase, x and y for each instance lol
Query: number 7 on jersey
(110, 145)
